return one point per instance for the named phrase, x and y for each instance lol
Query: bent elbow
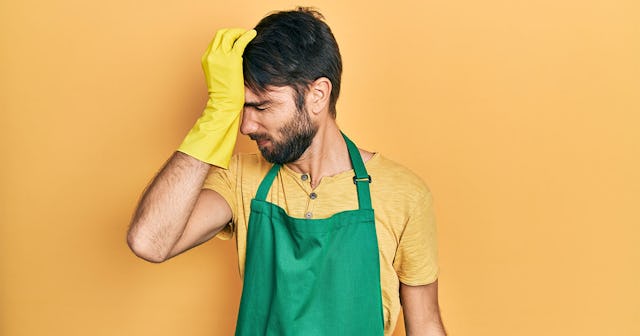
(144, 249)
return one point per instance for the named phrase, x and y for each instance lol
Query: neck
(326, 156)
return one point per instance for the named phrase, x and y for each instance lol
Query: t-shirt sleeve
(222, 181)
(416, 258)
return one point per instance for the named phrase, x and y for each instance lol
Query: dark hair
(293, 48)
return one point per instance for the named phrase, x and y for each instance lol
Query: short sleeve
(416, 258)
(222, 181)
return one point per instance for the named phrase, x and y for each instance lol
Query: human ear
(319, 94)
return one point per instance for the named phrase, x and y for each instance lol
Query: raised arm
(174, 214)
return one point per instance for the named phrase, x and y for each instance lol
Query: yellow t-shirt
(401, 201)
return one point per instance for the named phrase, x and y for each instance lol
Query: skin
(175, 215)
(421, 310)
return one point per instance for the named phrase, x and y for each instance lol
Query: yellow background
(522, 116)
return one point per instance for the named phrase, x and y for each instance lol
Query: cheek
(274, 123)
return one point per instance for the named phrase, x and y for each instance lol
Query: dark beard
(297, 135)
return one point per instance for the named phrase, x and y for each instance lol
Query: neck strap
(361, 179)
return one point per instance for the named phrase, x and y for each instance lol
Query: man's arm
(174, 214)
(421, 311)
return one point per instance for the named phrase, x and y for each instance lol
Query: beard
(297, 135)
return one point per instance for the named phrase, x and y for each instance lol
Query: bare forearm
(165, 207)
(434, 328)
(431, 326)
(421, 310)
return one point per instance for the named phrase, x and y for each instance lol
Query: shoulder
(389, 172)
(245, 159)
(249, 164)
(241, 167)
(394, 182)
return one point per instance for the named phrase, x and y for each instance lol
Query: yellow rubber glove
(213, 137)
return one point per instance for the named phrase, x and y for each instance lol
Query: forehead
(273, 93)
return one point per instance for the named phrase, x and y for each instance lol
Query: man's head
(293, 48)
(292, 72)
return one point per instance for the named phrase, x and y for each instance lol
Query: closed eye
(259, 105)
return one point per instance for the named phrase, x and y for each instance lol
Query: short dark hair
(293, 48)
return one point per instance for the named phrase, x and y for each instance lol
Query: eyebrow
(257, 103)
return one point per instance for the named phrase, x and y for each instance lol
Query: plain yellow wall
(522, 116)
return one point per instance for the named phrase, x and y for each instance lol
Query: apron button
(313, 195)
(308, 215)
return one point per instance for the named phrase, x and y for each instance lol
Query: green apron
(312, 276)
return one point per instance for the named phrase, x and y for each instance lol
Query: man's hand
(421, 311)
(213, 137)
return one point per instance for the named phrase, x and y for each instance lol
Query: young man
(331, 238)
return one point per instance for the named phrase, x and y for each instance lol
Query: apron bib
(312, 276)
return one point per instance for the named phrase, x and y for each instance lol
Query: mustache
(258, 136)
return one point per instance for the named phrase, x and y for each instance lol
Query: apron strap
(362, 179)
(263, 190)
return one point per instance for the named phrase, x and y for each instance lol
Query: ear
(319, 95)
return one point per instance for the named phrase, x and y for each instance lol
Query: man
(314, 258)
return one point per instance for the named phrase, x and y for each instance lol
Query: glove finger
(210, 46)
(242, 42)
(229, 37)
(217, 40)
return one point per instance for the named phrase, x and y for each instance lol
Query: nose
(248, 125)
